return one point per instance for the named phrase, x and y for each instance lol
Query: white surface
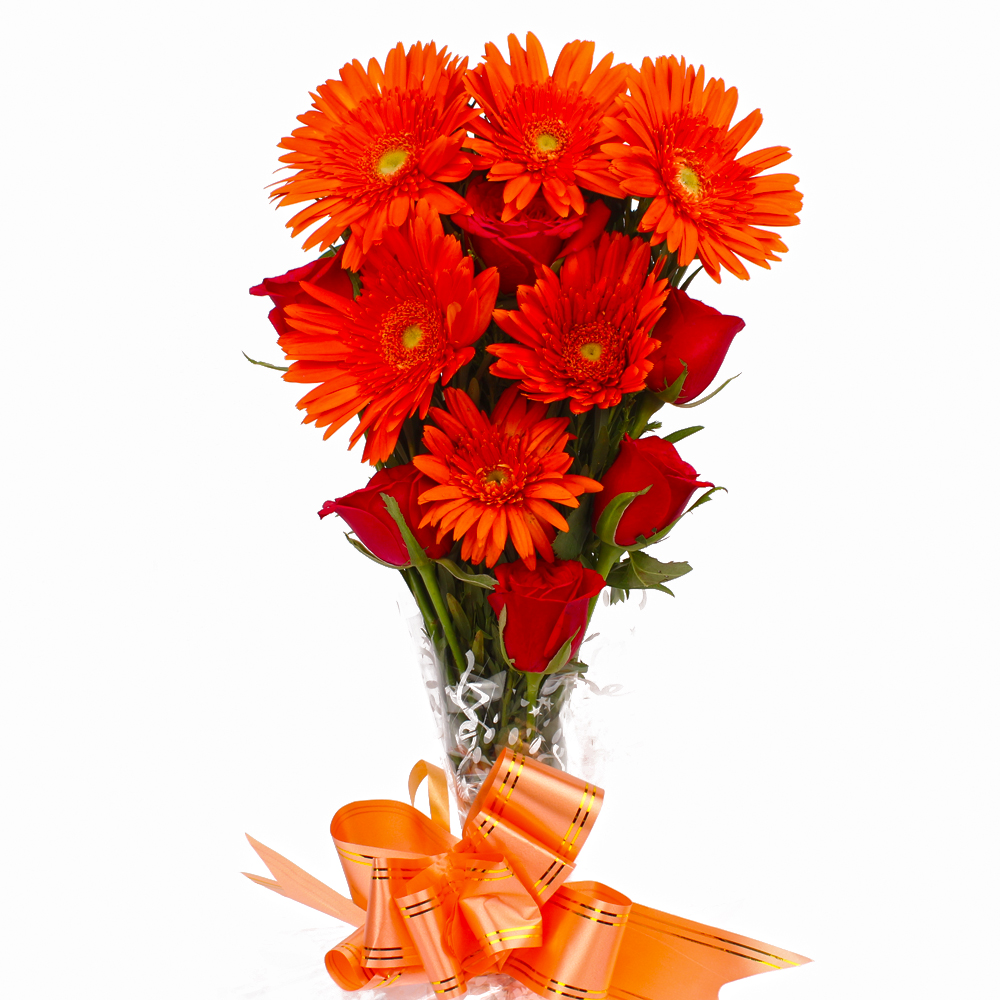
(190, 651)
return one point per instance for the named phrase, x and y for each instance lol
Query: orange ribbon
(431, 908)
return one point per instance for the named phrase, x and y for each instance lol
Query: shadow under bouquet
(501, 301)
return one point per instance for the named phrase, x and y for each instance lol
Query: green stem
(648, 404)
(532, 682)
(428, 574)
(412, 578)
(607, 556)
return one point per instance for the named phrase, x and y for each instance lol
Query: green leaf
(263, 364)
(483, 580)
(607, 523)
(683, 433)
(459, 617)
(417, 555)
(569, 544)
(642, 572)
(705, 399)
(374, 558)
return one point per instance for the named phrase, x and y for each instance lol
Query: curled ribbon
(429, 907)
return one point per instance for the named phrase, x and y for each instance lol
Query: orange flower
(498, 475)
(679, 150)
(542, 131)
(584, 334)
(375, 144)
(421, 309)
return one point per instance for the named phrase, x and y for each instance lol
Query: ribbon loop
(553, 808)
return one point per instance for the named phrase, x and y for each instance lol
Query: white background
(808, 752)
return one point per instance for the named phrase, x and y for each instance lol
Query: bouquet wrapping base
(481, 713)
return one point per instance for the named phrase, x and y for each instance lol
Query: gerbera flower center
(592, 351)
(497, 482)
(496, 476)
(410, 333)
(689, 181)
(390, 161)
(545, 139)
(391, 157)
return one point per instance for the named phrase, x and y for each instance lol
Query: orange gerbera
(679, 150)
(542, 131)
(421, 309)
(584, 334)
(498, 475)
(376, 143)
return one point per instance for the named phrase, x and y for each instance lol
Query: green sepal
(559, 661)
(263, 364)
(672, 391)
(501, 625)
(642, 572)
(683, 433)
(607, 523)
(705, 399)
(417, 555)
(483, 580)
(691, 277)
(642, 543)
(371, 555)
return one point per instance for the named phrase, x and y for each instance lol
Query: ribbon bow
(432, 908)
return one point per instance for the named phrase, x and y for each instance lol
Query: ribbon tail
(294, 883)
(664, 957)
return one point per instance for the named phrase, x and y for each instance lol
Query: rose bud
(325, 272)
(365, 511)
(536, 237)
(651, 462)
(690, 333)
(545, 607)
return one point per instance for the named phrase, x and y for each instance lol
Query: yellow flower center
(496, 476)
(391, 160)
(689, 180)
(412, 336)
(545, 139)
(411, 333)
(592, 352)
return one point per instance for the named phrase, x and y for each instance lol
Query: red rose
(545, 607)
(519, 248)
(690, 332)
(652, 462)
(364, 510)
(286, 289)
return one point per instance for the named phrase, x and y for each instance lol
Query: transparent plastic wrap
(483, 712)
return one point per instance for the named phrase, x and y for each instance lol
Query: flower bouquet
(501, 300)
